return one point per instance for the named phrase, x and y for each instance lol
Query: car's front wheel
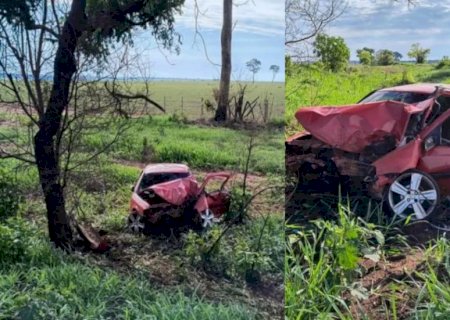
(414, 194)
(208, 219)
(136, 223)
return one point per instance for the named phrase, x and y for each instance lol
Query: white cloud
(263, 17)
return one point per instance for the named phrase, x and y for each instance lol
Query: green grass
(311, 86)
(188, 96)
(47, 284)
(198, 146)
(322, 274)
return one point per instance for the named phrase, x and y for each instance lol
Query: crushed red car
(394, 145)
(166, 191)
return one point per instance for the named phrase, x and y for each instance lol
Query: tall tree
(385, 57)
(254, 66)
(418, 53)
(225, 74)
(275, 69)
(332, 51)
(87, 28)
(365, 56)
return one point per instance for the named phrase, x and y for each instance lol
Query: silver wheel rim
(413, 194)
(208, 219)
(136, 223)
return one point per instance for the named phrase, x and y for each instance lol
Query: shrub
(10, 195)
(444, 63)
(14, 241)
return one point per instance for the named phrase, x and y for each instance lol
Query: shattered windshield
(405, 97)
(151, 179)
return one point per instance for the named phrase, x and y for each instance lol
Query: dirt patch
(379, 281)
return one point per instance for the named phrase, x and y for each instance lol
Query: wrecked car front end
(183, 199)
(363, 143)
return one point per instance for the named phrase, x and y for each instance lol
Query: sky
(384, 24)
(258, 33)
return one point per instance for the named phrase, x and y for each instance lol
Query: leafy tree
(332, 51)
(254, 66)
(83, 27)
(418, 53)
(365, 57)
(385, 57)
(397, 56)
(275, 69)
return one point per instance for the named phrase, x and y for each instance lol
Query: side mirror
(132, 188)
(429, 143)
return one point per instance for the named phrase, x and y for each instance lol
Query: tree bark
(225, 74)
(59, 227)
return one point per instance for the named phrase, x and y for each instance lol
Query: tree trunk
(225, 74)
(59, 228)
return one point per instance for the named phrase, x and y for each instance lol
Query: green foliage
(239, 205)
(200, 147)
(247, 251)
(365, 57)
(322, 261)
(14, 242)
(385, 57)
(18, 12)
(444, 63)
(38, 282)
(10, 194)
(332, 51)
(254, 66)
(418, 53)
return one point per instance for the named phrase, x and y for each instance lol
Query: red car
(394, 144)
(168, 191)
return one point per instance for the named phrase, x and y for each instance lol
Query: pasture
(159, 277)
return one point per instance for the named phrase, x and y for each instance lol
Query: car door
(435, 159)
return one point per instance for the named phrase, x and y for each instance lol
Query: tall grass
(45, 284)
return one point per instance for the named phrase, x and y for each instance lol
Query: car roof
(427, 88)
(166, 167)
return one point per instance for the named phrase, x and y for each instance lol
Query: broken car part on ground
(393, 145)
(167, 192)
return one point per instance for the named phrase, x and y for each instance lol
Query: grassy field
(358, 263)
(310, 86)
(155, 277)
(187, 97)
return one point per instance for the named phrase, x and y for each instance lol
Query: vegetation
(332, 51)
(385, 57)
(336, 252)
(418, 53)
(365, 56)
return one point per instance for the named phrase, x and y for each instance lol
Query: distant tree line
(385, 57)
(334, 53)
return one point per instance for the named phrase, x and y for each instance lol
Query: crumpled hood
(176, 192)
(353, 127)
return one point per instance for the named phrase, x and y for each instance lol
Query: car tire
(208, 219)
(414, 195)
(136, 223)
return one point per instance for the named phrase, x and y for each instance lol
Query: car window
(406, 97)
(150, 179)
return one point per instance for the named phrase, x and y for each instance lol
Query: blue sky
(384, 24)
(258, 33)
